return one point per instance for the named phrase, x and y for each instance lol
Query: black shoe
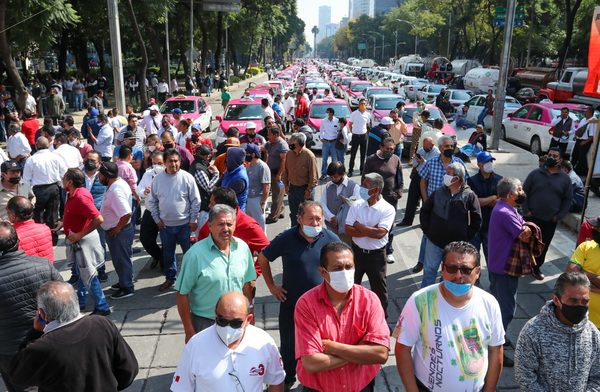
(102, 277)
(403, 224)
(508, 362)
(271, 220)
(136, 250)
(417, 268)
(122, 294)
(154, 263)
(73, 279)
(350, 173)
(102, 312)
(115, 286)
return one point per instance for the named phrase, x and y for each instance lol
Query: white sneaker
(390, 259)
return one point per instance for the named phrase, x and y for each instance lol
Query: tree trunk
(99, 46)
(158, 49)
(181, 47)
(569, 23)
(62, 54)
(204, 51)
(81, 60)
(219, 41)
(9, 62)
(141, 75)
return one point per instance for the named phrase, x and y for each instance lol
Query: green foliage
(234, 79)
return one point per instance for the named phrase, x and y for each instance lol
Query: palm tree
(315, 31)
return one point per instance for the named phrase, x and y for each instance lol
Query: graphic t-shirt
(587, 256)
(450, 344)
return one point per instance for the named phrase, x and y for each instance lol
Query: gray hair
(458, 170)
(298, 137)
(444, 138)
(375, 179)
(571, 279)
(507, 185)
(306, 204)
(59, 301)
(220, 209)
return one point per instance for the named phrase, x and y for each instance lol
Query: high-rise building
(324, 20)
(381, 7)
(359, 7)
(344, 21)
(330, 29)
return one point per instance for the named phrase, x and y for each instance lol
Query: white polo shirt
(207, 364)
(329, 129)
(380, 214)
(70, 155)
(359, 122)
(116, 203)
(18, 145)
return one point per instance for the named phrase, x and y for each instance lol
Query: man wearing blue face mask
(299, 248)
(455, 329)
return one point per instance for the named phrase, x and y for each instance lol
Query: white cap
(386, 121)
(154, 107)
(250, 125)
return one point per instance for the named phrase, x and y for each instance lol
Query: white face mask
(158, 168)
(488, 167)
(151, 148)
(448, 179)
(228, 334)
(341, 281)
(75, 143)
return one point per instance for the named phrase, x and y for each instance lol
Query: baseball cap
(252, 148)
(232, 142)
(197, 126)
(93, 112)
(485, 157)
(10, 165)
(250, 125)
(109, 169)
(176, 111)
(386, 121)
(154, 107)
(128, 135)
(479, 126)
(203, 150)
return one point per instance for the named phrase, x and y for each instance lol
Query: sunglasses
(223, 322)
(452, 269)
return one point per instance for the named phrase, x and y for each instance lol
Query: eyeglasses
(452, 269)
(234, 373)
(223, 322)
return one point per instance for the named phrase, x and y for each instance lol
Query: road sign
(362, 46)
(222, 6)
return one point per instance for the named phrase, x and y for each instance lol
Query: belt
(43, 185)
(329, 140)
(298, 186)
(368, 251)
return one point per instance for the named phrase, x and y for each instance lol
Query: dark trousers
(47, 200)
(148, 234)
(369, 388)
(358, 141)
(389, 248)
(579, 157)
(547, 228)
(504, 289)
(414, 195)
(374, 265)
(295, 198)
(561, 146)
(481, 240)
(287, 338)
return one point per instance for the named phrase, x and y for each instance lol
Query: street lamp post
(396, 44)
(413, 27)
(374, 42)
(382, 45)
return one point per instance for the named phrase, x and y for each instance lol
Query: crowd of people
(94, 186)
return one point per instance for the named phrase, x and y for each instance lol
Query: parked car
(458, 97)
(411, 85)
(526, 95)
(429, 92)
(477, 103)
(530, 124)
(355, 91)
(370, 91)
(236, 114)
(434, 113)
(317, 111)
(194, 108)
(381, 104)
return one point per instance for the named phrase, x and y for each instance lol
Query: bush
(254, 70)
(234, 79)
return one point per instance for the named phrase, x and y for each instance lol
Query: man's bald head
(232, 303)
(42, 143)
(8, 237)
(19, 209)
(428, 143)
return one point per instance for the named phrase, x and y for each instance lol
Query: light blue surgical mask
(364, 193)
(457, 289)
(311, 231)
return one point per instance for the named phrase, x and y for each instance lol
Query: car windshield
(378, 91)
(186, 106)
(319, 86)
(320, 110)
(346, 82)
(244, 112)
(435, 88)
(386, 103)
(510, 101)
(461, 95)
(434, 114)
(360, 87)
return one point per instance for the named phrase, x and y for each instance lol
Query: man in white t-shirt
(267, 111)
(358, 124)
(453, 328)
(289, 105)
(231, 355)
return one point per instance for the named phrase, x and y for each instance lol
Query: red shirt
(29, 128)
(246, 229)
(361, 320)
(585, 232)
(301, 107)
(79, 211)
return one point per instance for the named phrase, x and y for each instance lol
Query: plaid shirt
(523, 254)
(433, 171)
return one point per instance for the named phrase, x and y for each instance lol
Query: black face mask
(248, 158)
(168, 145)
(575, 314)
(387, 154)
(250, 135)
(426, 149)
(596, 236)
(14, 180)
(292, 146)
(89, 165)
(551, 162)
(449, 153)
(521, 198)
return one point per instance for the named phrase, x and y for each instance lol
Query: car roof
(245, 101)
(184, 98)
(387, 96)
(327, 101)
(571, 106)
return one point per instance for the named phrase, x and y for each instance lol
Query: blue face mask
(364, 193)
(311, 231)
(458, 289)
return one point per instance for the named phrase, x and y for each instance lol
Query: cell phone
(418, 155)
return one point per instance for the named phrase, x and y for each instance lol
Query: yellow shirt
(587, 256)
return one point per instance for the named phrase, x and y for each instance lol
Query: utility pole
(502, 78)
(117, 59)
(168, 54)
(449, 31)
(192, 39)
(396, 45)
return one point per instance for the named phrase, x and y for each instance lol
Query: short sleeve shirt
(80, 210)
(274, 150)
(359, 122)
(587, 256)
(505, 226)
(207, 273)
(300, 259)
(433, 171)
(117, 203)
(450, 345)
(380, 214)
(258, 174)
(485, 188)
(206, 363)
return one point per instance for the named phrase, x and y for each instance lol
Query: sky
(308, 11)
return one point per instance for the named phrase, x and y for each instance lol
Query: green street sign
(500, 8)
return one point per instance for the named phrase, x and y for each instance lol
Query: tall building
(381, 7)
(359, 7)
(324, 20)
(344, 21)
(330, 29)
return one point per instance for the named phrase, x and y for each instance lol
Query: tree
(143, 63)
(315, 31)
(569, 11)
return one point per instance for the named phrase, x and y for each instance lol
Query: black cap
(10, 165)
(203, 150)
(128, 135)
(109, 169)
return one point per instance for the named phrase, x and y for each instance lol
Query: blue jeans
(78, 101)
(482, 116)
(398, 150)
(121, 251)
(422, 247)
(340, 155)
(461, 122)
(481, 240)
(504, 289)
(431, 264)
(295, 198)
(95, 291)
(328, 151)
(170, 236)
